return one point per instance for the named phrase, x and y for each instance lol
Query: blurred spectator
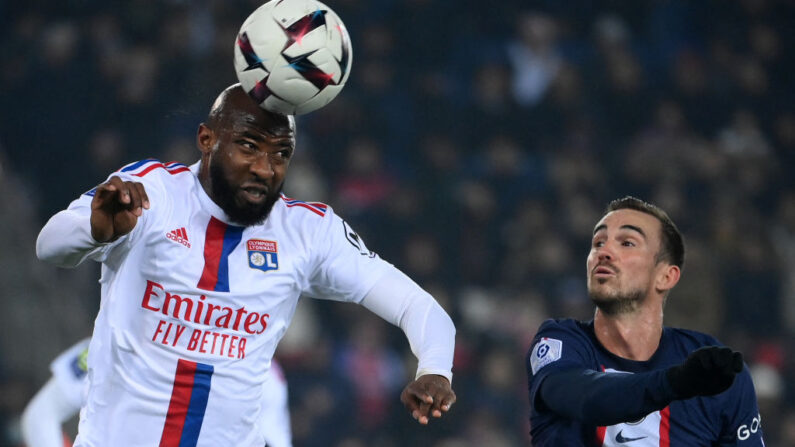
(534, 57)
(374, 370)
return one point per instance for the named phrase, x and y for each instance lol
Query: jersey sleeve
(66, 238)
(342, 268)
(742, 423)
(429, 330)
(556, 347)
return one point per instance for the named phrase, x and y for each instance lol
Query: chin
(599, 292)
(598, 287)
(245, 203)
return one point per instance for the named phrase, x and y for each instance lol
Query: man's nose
(262, 167)
(604, 254)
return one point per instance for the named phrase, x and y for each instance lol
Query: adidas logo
(179, 235)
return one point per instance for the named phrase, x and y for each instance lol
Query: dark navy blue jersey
(727, 419)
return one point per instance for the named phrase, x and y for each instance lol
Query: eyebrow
(622, 227)
(253, 136)
(262, 134)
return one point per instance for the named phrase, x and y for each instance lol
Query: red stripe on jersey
(171, 170)
(665, 427)
(307, 206)
(178, 407)
(600, 435)
(601, 432)
(321, 206)
(213, 248)
(318, 206)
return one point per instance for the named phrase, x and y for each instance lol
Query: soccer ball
(293, 56)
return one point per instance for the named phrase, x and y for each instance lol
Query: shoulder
(150, 172)
(162, 181)
(154, 169)
(310, 218)
(554, 332)
(558, 339)
(692, 339)
(564, 326)
(297, 207)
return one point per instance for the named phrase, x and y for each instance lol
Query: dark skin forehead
(235, 111)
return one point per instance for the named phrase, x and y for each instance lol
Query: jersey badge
(546, 351)
(262, 255)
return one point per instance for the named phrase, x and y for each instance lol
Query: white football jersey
(193, 307)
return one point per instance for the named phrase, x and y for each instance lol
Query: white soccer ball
(293, 56)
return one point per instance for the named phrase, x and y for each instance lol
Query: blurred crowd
(475, 146)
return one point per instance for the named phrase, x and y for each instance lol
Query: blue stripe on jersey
(232, 237)
(318, 205)
(137, 165)
(197, 406)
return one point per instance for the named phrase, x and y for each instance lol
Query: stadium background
(474, 147)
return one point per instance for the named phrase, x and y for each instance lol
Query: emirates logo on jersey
(201, 324)
(179, 235)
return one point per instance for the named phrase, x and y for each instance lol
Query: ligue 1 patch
(546, 351)
(262, 254)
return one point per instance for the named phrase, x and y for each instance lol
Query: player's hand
(428, 396)
(706, 371)
(115, 209)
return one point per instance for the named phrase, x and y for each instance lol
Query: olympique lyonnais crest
(262, 255)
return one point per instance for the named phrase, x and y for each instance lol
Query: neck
(204, 176)
(634, 336)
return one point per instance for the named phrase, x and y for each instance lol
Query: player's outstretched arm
(603, 398)
(431, 334)
(599, 398)
(71, 235)
(115, 209)
(429, 396)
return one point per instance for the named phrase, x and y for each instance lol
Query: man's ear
(667, 277)
(205, 139)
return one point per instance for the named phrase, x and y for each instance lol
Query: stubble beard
(617, 303)
(225, 196)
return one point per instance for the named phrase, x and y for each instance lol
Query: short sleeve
(342, 267)
(558, 345)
